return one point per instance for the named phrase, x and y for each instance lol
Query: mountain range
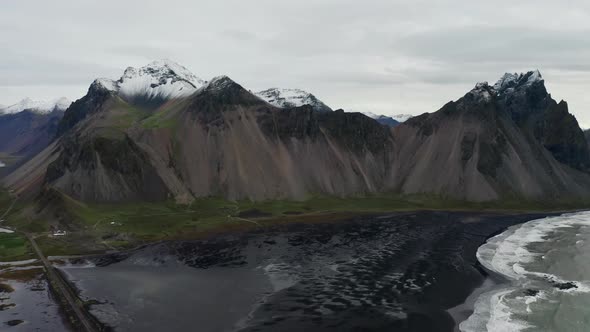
(159, 132)
(387, 120)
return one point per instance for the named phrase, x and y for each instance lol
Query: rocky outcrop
(102, 168)
(98, 94)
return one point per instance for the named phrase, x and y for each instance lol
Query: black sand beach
(400, 272)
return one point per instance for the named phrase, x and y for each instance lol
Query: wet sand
(30, 305)
(401, 272)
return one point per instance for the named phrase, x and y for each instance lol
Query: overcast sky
(382, 56)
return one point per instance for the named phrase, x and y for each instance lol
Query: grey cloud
(386, 56)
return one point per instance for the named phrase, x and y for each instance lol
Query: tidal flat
(401, 271)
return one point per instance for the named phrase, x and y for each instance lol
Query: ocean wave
(509, 254)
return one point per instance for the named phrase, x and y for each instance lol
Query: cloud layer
(381, 56)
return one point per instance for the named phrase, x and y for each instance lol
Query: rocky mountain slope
(496, 142)
(222, 140)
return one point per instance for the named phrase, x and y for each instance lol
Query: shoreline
(316, 218)
(454, 291)
(492, 280)
(443, 306)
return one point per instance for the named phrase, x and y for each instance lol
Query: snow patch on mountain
(397, 117)
(509, 81)
(383, 119)
(161, 79)
(43, 107)
(482, 92)
(402, 117)
(285, 98)
(219, 83)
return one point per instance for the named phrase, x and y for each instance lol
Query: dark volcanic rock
(353, 130)
(560, 133)
(565, 285)
(82, 108)
(115, 167)
(14, 322)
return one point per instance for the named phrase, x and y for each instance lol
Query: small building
(60, 233)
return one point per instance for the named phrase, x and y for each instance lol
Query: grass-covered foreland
(94, 228)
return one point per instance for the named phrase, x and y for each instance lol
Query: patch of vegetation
(125, 115)
(6, 288)
(22, 275)
(14, 247)
(163, 119)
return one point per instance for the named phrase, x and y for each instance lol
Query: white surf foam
(507, 254)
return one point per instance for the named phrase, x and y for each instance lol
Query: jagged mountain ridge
(223, 140)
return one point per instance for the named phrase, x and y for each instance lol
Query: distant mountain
(42, 107)
(27, 127)
(158, 141)
(402, 117)
(383, 119)
(288, 98)
(389, 120)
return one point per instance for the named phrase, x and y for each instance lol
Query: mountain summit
(511, 81)
(285, 98)
(158, 81)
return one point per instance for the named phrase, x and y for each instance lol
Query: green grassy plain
(97, 228)
(14, 247)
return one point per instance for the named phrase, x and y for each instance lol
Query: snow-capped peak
(160, 79)
(511, 80)
(397, 117)
(482, 92)
(60, 104)
(402, 117)
(220, 82)
(285, 98)
(383, 119)
(371, 115)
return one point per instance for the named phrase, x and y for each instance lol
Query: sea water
(547, 266)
